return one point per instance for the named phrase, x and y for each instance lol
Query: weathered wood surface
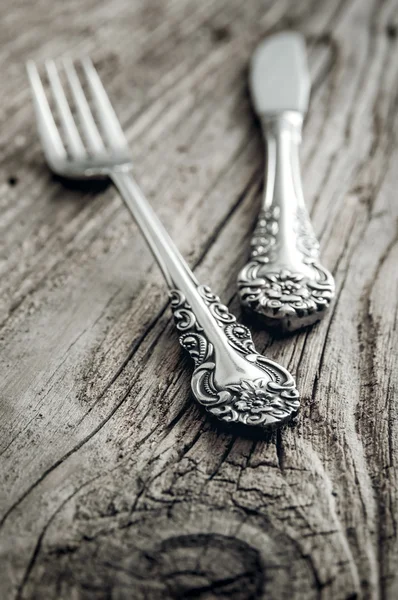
(114, 484)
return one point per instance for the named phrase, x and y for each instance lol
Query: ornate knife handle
(230, 379)
(284, 282)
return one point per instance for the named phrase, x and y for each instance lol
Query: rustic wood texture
(114, 483)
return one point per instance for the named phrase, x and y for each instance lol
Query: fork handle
(178, 275)
(230, 379)
(172, 264)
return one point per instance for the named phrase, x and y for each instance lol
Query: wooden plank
(113, 482)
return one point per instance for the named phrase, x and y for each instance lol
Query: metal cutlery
(284, 282)
(230, 378)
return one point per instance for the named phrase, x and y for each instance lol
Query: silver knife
(284, 282)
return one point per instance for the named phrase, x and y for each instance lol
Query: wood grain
(114, 484)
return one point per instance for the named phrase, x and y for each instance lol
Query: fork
(230, 379)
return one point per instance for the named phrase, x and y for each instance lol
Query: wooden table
(114, 483)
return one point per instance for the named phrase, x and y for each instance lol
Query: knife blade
(279, 75)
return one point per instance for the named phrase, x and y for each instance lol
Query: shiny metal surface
(284, 281)
(231, 379)
(279, 77)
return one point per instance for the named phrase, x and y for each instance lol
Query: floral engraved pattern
(286, 297)
(269, 399)
(287, 292)
(306, 241)
(264, 240)
(254, 397)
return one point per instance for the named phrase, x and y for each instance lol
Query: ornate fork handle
(284, 282)
(230, 379)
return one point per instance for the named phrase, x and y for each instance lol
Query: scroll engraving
(269, 398)
(286, 296)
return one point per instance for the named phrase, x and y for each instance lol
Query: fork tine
(107, 116)
(72, 135)
(51, 140)
(93, 137)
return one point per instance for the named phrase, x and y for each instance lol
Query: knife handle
(284, 281)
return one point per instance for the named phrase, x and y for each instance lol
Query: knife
(283, 282)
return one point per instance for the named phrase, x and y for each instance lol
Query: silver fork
(230, 379)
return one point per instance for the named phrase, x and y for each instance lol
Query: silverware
(230, 379)
(284, 282)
